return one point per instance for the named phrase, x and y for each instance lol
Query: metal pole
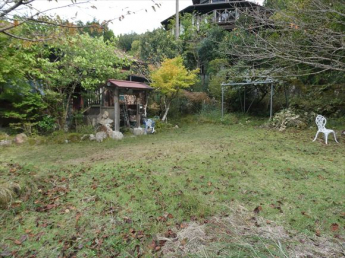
(177, 20)
(244, 99)
(271, 104)
(222, 101)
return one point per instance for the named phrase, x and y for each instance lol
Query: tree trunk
(166, 113)
(167, 107)
(65, 112)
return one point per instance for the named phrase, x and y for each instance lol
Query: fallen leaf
(305, 214)
(258, 209)
(17, 242)
(152, 246)
(23, 238)
(183, 225)
(140, 234)
(127, 220)
(334, 227)
(318, 233)
(161, 242)
(49, 207)
(161, 219)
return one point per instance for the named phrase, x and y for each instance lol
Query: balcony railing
(223, 16)
(212, 1)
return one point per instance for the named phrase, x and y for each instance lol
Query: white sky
(143, 19)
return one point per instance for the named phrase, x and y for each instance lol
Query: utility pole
(177, 34)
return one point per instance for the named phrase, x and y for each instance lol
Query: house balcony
(209, 1)
(224, 16)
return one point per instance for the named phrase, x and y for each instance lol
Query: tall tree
(125, 41)
(170, 78)
(96, 29)
(304, 37)
(157, 45)
(78, 61)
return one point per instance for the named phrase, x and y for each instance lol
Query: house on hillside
(222, 12)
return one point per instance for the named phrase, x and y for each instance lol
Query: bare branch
(26, 39)
(308, 36)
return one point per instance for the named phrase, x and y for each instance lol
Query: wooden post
(138, 113)
(116, 111)
(101, 97)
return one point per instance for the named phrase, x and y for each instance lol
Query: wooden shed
(125, 101)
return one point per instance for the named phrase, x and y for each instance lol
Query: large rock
(99, 137)
(20, 138)
(5, 143)
(116, 135)
(104, 119)
(138, 131)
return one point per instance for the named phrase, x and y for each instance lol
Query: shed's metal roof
(129, 84)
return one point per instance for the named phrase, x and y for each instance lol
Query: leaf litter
(246, 230)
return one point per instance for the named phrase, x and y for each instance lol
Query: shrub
(161, 126)
(289, 118)
(47, 124)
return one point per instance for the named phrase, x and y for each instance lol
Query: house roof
(128, 84)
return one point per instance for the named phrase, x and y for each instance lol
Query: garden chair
(149, 124)
(321, 123)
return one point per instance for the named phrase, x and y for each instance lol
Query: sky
(139, 15)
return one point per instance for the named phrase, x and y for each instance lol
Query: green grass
(113, 198)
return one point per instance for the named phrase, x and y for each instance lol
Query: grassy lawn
(200, 191)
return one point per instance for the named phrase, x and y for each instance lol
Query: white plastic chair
(321, 123)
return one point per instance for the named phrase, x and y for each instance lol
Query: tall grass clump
(8, 193)
(211, 114)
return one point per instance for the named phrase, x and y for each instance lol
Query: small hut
(125, 102)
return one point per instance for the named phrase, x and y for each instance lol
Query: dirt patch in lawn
(245, 233)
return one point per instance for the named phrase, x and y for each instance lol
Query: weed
(7, 194)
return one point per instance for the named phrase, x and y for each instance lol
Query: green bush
(85, 129)
(161, 126)
(47, 124)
